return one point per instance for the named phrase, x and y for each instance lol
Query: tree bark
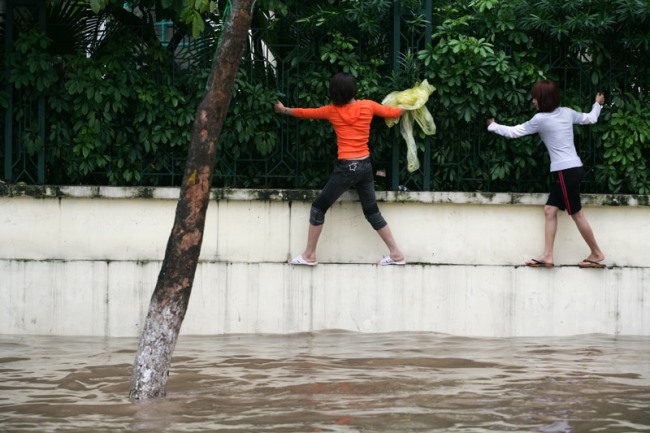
(174, 286)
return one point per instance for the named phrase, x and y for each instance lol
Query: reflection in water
(332, 382)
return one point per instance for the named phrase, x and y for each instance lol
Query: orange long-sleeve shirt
(351, 124)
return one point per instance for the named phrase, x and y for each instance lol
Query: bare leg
(588, 235)
(387, 236)
(312, 241)
(550, 228)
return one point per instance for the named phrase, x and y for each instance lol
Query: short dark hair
(343, 87)
(547, 94)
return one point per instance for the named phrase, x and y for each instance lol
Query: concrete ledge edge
(285, 195)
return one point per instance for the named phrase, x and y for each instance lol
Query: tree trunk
(172, 293)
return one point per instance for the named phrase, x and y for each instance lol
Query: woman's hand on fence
(281, 109)
(489, 121)
(600, 98)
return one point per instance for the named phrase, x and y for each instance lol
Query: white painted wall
(84, 261)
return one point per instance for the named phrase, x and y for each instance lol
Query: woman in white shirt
(554, 124)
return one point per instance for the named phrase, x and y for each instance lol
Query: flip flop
(298, 260)
(588, 263)
(535, 263)
(387, 261)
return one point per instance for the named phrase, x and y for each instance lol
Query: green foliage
(486, 54)
(32, 75)
(606, 43)
(482, 67)
(120, 108)
(325, 38)
(124, 114)
(30, 64)
(251, 126)
(111, 118)
(190, 13)
(626, 145)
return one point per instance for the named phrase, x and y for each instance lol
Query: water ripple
(333, 381)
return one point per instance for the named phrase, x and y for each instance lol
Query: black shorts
(565, 190)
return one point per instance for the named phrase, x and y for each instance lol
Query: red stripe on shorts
(560, 176)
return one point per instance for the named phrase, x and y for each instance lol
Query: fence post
(397, 49)
(397, 18)
(9, 31)
(42, 21)
(426, 163)
(13, 149)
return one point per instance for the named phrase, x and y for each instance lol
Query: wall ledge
(285, 195)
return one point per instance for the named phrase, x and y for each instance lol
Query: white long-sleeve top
(556, 131)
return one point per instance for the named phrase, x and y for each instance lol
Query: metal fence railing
(462, 159)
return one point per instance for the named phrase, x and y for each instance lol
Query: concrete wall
(84, 261)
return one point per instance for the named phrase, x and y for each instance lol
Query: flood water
(332, 382)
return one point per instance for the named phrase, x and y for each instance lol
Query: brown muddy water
(332, 382)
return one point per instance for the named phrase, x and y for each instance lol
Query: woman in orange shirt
(351, 120)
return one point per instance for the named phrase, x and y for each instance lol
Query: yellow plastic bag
(413, 100)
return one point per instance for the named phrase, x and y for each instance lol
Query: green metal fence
(282, 167)
(19, 164)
